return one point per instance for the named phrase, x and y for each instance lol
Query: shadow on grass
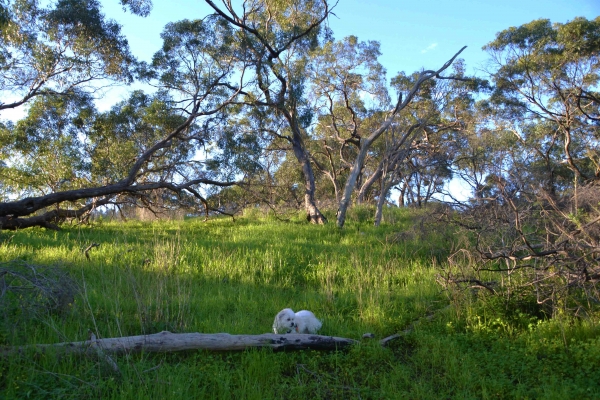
(222, 276)
(225, 277)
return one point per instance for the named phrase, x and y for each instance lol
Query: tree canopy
(259, 103)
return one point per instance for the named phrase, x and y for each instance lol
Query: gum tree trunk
(367, 142)
(313, 214)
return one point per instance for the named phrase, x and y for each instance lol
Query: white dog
(287, 321)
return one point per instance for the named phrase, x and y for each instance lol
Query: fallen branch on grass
(384, 342)
(166, 341)
(169, 342)
(87, 250)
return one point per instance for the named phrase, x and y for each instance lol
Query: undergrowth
(225, 276)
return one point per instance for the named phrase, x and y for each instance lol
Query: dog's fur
(287, 321)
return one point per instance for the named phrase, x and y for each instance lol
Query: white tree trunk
(385, 188)
(368, 141)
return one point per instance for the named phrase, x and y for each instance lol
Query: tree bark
(387, 169)
(385, 188)
(48, 220)
(367, 142)
(169, 342)
(267, 55)
(11, 212)
(313, 214)
(366, 187)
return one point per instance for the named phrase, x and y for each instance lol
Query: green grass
(224, 276)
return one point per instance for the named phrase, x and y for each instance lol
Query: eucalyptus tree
(407, 142)
(274, 38)
(147, 143)
(481, 151)
(536, 148)
(347, 86)
(420, 146)
(350, 93)
(351, 85)
(52, 50)
(375, 134)
(546, 92)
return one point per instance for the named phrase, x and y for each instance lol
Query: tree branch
(170, 342)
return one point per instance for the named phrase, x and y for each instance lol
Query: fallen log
(169, 342)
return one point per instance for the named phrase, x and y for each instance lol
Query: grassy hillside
(225, 276)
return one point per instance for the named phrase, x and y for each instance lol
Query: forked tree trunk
(351, 182)
(368, 141)
(366, 187)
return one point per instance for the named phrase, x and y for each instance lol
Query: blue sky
(413, 34)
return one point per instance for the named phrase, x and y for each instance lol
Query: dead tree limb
(384, 342)
(170, 342)
(87, 250)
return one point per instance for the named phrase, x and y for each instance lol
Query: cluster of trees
(533, 162)
(258, 102)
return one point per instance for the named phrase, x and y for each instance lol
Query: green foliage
(196, 55)
(224, 276)
(361, 214)
(546, 75)
(138, 7)
(55, 49)
(119, 136)
(43, 151)
(81, 24)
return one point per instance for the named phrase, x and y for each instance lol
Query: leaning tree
(344, 74)
(65, 158)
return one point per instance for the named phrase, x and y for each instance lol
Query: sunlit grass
(225, 276)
